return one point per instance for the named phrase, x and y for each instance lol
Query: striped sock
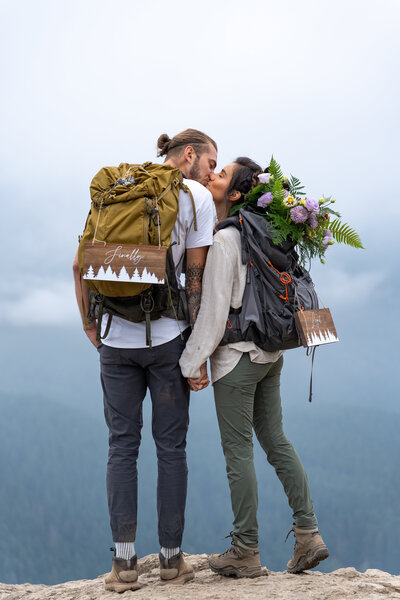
(170, 552)
(124, 550)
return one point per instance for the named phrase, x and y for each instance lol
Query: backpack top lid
(130, 181)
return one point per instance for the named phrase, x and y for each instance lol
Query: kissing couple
(246, 382)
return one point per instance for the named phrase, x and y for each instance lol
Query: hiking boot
(175, 569)
(309, 550)
(239, 560)
(123, 575)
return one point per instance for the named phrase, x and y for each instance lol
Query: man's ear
(189, 154)
(234, 196)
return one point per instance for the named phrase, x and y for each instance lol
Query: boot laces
(231, 550)
(295, 540)
(291, 531)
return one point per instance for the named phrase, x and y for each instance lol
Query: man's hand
(200, 382)
(91, 332)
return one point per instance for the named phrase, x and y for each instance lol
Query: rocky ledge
(342, 584)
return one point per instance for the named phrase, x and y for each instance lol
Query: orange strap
(285, 279)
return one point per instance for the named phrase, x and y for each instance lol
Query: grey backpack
(276, 287)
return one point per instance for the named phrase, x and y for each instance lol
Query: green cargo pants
(249, 397)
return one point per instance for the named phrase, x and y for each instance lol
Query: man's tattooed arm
(195, 261)
(194, 276)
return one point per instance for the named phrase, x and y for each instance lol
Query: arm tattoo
(194, 276)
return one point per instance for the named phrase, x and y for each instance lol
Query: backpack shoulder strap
(186, 189)
(236, 221)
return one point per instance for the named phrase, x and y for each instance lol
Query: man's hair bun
(174, 147)
(163, 143)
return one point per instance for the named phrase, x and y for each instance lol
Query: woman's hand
(199, 383)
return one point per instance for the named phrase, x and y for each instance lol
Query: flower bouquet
(311, 225)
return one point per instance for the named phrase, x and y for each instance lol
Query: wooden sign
(124, 262)
(315, 327)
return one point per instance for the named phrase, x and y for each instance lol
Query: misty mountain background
(53, 450)
(94, 83)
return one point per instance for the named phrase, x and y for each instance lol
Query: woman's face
(219, 183)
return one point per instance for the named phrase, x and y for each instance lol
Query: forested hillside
(54, 522)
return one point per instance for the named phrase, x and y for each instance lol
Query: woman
(246, 384)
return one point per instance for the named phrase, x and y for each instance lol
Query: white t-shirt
(123, 333)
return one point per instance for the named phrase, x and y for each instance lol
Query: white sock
(170, 552)
(124, 550)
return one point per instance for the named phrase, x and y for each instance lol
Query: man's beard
(194, 172)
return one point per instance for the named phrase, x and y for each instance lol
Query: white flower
(264, 177)
(290, 201)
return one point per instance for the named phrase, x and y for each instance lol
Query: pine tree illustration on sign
(315, 327)
(90, 273)
(115, 263)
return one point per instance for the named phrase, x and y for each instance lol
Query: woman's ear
(234, 196)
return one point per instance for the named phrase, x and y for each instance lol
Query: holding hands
(200, 382)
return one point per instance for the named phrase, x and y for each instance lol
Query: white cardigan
(224, 281)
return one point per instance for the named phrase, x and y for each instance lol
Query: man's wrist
(90, 324)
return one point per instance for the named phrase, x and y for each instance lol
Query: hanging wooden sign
(124, 262)
(315, 327)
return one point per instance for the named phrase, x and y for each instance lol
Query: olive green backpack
(131, 204)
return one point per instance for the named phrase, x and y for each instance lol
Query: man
(129, 368)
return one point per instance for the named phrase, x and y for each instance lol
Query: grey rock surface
(342, 584)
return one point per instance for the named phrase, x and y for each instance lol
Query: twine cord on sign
(98, 217)
(321, 301)
(97, 224)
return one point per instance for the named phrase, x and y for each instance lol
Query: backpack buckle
(147, 302)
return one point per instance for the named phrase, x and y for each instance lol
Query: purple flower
(312, 205)
(313, 221)
(264, 177)
(265, 199)
(299, 214)
(327, 237)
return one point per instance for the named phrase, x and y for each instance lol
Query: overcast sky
(90, 83)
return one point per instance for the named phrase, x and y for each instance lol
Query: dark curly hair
(244, 176)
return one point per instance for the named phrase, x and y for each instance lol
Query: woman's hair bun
(163, 143)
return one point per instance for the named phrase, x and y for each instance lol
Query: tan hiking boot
(309, 550)
(239, 560)
(123, 575)
(175, 569)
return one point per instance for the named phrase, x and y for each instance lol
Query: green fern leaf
(296, 187)
(344, 234)
(277, 191)
(275, 169)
